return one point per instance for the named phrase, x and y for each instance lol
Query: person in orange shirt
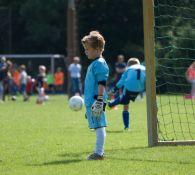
(59, 80)
(15, 83)
(16, 77)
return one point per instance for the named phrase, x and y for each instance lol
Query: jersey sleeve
(121, 82)
(101, 71)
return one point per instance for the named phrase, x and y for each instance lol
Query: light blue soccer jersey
(133, 79)
(97, 71)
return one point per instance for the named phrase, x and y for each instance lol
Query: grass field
(53, 140)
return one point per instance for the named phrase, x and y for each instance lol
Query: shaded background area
(34, 26)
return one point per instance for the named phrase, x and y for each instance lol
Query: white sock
(100, 140)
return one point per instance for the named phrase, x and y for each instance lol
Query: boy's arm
(101, 73)
(101, 89)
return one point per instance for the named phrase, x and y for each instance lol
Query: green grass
(53, 140)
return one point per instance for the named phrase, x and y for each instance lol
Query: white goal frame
(52, 58)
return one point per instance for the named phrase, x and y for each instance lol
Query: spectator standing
(120, 67)
(3, 74)
(190, 74)
(59, 80)
(23, 82)
(15, 81)
(30, 85)
(75, 76)
(50, 82)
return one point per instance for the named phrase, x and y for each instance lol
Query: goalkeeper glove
(97, 107)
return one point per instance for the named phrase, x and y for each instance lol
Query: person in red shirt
(190, 74)
(30, 85)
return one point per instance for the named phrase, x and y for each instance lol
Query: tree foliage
(119, 21)
(175, 46)
(40, 26)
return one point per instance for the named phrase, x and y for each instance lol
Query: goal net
(174, 33)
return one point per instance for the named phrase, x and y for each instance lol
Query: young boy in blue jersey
(133, 83)
(94, 90)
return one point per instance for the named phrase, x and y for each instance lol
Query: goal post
(169, 48)
(148, 14)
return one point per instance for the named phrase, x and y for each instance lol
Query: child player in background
(94, 91)
(41, 79)
(133, 82)
(120, 67)
(23, 82)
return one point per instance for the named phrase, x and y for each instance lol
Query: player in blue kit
(94, 90)
(133, 83)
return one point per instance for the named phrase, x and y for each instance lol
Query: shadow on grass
(151, 161)
(120, 131)
(57, 162)
(71, 155)
(131, 150)
(69, 159)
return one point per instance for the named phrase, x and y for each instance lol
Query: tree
(45, 25)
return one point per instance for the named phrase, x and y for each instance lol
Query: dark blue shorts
(128, 96)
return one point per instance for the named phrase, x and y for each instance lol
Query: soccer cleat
(39, 102)
(14, 98)
(95, 156)
(110, 108)
(26, 99)
(126, 128)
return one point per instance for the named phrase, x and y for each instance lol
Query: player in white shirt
(23, 82)
(75, 75)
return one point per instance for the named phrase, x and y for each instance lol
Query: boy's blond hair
(133, 61)
(94, 39)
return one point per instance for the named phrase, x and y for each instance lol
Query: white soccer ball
(46, 98)
(76, 103)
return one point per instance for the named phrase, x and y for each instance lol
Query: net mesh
(175, 51)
